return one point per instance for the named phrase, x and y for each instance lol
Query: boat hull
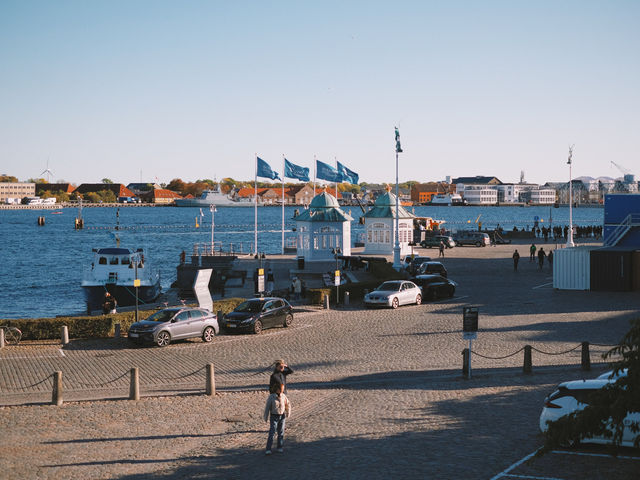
(125, 295)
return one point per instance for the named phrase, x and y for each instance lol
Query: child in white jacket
(277, 409)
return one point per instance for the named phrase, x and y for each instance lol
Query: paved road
(376, 393)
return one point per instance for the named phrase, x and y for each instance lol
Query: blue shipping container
(618, 206)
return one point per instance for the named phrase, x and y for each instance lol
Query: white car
(393, 294)
(572, 396)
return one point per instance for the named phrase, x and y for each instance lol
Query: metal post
(527, 367)
(465, 362)
(570, 233)
(134, 386)
(118, 329)
(326, 302)
(586, 359)
(56, 397)
(1, 337)
(346, 298)
(64, 334)
(211, 382)
(469, 358)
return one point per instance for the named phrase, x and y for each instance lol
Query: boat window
(124, 260)
(102, 261)
(113, 261)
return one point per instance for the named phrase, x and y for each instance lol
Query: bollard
(56, 397)
(211, 380)
(586, 360)
(118, 331)
(134, 386)
(219, 316)
(64, 333)
(326, 302)
(1, 337)
(345, 298)
(465, 362)
(527, 367)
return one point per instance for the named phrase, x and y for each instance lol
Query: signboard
(201, 288)
(337, 278)
(136, 282)
(469, 323)
(260, 280)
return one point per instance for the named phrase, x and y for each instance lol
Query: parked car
(393, 294)
(434, 241)
(435, 286)
(432, 267)
(177, 323)
(256, 314)
(415, 263)
(574, 395)
(469, 237)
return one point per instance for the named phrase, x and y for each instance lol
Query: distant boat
(212, 197)
(447, 199)
(115, 270)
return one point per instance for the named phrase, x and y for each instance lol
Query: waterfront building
(478, 194)
(160, 196)
(322, 229)
(424, 192)
(16, 190)
(380, 230)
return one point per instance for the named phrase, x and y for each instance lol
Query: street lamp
(570, 232)
(396, 247)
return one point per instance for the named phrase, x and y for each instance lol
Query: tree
(608, 406)
(107, 181)
(8, 179)
(176, 185)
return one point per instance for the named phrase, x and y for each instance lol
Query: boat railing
(218, 248)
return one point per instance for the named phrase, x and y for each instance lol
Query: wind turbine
(48, 172)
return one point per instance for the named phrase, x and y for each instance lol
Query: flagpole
(396, 249)
(315, 168)
(283, 159)
(255, 210)
(336, 159)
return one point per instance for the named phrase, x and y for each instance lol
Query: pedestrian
(279, 375)
(550, 259)
(541, 256)
(270, 282)
(516, 259)
(297, 288)
(441, 249)
(276, 410)
(109, 304)
(532, 253)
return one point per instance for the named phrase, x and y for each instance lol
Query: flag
(265, 171)
(398, 147)
(291, 170)
(327, 172)
(348, 175)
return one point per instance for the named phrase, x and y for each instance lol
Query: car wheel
(418, 299)
(478, 244)
(209, 334)
(395, 303)
(452, 290)
(163, 339)
(287, 320)
(257, 327)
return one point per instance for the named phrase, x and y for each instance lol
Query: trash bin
(300, 263)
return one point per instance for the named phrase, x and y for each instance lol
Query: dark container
(618, 206)
(611, 270)
(300, 263)
(635, 271)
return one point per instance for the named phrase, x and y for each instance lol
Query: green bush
(316, 295)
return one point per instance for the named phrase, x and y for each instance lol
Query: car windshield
(162, 316)
(250, 307)
(389, 287)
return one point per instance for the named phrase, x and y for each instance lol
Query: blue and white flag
(265, 171)
(291, 170)
(348, 175)
(327, 172)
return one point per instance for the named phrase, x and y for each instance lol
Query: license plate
(231, 325)
(133, 335)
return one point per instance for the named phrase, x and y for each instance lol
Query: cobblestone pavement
(375, 393)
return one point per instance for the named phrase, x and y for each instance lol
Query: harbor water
(42, 265)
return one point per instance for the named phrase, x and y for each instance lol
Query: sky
(154, 90)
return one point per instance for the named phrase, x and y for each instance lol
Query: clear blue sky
(193, 89)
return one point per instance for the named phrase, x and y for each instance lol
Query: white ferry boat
(448, 199)
(115, 270)
(212, 197)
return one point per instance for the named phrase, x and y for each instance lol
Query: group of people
(532, 257)
(278, 406)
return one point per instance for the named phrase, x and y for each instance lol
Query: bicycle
(12, 335)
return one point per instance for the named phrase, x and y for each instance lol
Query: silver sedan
(170, 324)
(393, 294)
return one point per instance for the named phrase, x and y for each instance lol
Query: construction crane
(624, 170)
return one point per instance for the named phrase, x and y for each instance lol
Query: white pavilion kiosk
(323, 228)
(380, 227)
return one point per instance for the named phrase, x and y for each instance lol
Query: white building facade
(380, 227)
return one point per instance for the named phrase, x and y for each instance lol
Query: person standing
(541, 256)
(297, 288)
(270, 282)
(516, 259)
(279, 375)
(550, 259)
(441, 249)
(109, 304)
(276, 410)
(532, 253)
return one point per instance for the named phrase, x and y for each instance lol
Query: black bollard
(586, 360)
(465, 362)
(527, 367)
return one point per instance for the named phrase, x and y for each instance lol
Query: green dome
(386, 200)
(324, 200)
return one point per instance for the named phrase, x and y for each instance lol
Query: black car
(256, 314)
(415, 263)
(432, 267)
(435, 286)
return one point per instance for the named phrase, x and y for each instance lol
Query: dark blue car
(256, 314)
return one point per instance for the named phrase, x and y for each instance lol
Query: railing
(632, 220)
(218, 248)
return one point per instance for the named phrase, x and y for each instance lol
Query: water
(42, 266)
